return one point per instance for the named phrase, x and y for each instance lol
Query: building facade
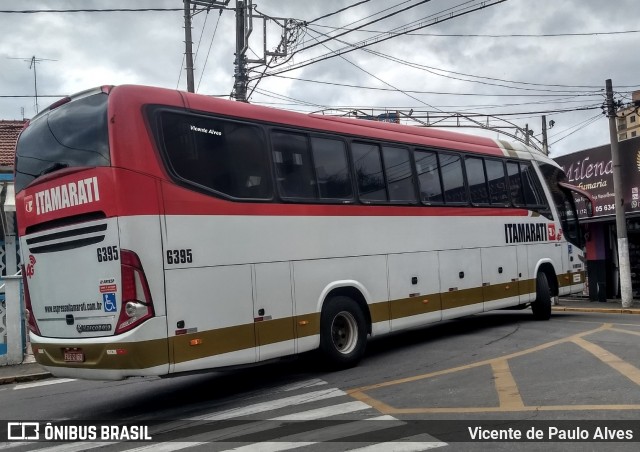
(628, 121)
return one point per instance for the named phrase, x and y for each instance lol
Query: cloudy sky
(515, 61)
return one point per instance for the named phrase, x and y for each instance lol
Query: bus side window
(455, 191)
(220, 155)
(368, 168)
(477, 180)
(294, 168)
(515, 183)
(428, 177)
(397, 165)
(332, 170)
(533, 193)
(498, 193)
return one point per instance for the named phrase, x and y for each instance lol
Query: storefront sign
(592, 170)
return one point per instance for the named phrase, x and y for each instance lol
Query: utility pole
(244, 26)
(188, 45)
(545, 142)
(624, 265)
(240, 74)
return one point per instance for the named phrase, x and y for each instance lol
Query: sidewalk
(29, 370)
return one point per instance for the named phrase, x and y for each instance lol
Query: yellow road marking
(620, 330)
(506, 386)
(537, 348)
(628, 370)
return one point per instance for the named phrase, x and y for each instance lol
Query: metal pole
(35, 80)
(545, 143)
(188, 46)
(241, 78)
(621, 221)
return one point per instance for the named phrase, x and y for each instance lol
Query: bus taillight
(136, 306)
(31, 319)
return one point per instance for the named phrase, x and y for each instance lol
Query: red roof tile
(9, 131)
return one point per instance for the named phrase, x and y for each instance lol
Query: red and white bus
(166, 232)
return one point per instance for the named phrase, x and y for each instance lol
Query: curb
(24, 378)
(601, 310)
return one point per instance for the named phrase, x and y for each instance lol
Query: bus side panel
(500, 277)
(210, 316)
(460, 282)
(524, 274)
(313, 277)
(414, 290)
(273, 310)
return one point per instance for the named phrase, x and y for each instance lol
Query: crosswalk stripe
(302, 385)
(270, 446)
(54, 381)
(401, 446)
(323, 412)
(77, 447)
(272, 405)
(168, 446)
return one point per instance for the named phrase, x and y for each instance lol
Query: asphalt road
(445, 386)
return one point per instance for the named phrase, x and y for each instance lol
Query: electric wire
(486, 4)
(209, 50)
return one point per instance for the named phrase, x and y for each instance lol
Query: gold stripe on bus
(187, 347)
(499, 291)
(527, 286)
(566, 279)
(510, 151)
(126, 355)
(379, 312)
(307, 324)
(421, 304)
(461, 298)
(274, 331)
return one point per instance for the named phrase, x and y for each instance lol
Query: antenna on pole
(32, 65)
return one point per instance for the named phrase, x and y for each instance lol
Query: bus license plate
(75, 355)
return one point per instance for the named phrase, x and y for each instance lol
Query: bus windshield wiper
(53, 167)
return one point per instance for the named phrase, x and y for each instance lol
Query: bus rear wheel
(343, 332)
(542, 306)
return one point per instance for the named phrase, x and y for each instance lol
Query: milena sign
(592, 170)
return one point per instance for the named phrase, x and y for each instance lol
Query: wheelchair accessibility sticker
(109, 302)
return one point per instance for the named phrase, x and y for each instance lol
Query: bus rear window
(73, 135)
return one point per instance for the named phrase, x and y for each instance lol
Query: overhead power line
(380, 39)
(109, 10)
(336, 12)
(506, 35)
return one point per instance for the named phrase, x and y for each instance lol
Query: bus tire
(343, 332)
(542, 306)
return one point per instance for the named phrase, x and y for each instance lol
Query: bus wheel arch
(344, 327)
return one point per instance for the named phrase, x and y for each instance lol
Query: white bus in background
(165, 232)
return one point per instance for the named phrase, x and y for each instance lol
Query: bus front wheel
(542, 306)
(343, 332)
